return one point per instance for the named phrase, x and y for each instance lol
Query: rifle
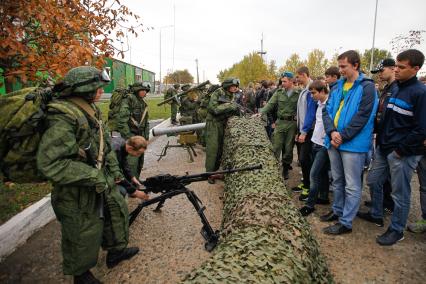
(184, 93)
(240, 107)
(170, 186)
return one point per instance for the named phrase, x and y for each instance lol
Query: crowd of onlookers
(344, 123)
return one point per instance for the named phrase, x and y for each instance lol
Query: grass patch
(16, 198)
(154, 111)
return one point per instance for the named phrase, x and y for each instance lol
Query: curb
(23, 225)
(20, 227)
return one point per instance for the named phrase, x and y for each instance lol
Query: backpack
(22, 124)
(117, 98)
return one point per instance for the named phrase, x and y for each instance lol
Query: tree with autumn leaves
(41, 38)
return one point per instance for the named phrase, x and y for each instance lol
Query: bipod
(211, 236)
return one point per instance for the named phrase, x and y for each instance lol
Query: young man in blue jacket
(348, 121)
(306, 109)
(402, 131)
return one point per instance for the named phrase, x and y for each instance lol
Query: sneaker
(337, 229)
(114, 258)
(417, 227)
(390, 237)
(322, 201)
(306, 210)
(330, 216)
(86, 278)
(298, 188)
(367, 217)
(303, 197)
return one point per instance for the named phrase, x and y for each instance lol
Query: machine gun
(186, 138)
(200, 86)
(242, 109)
(170, 186)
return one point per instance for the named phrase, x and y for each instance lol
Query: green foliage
(379, 54)
(251, 68)
(292, 63)
(317, 63)
(179, 77)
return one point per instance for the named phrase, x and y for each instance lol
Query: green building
(122, 74)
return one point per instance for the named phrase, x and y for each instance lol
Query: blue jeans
(400, 171)
(346, 169)
(318, 174)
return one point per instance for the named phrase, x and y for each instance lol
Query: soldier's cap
(287, 74)
(388, 62)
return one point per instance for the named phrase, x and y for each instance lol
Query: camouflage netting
(264, 238)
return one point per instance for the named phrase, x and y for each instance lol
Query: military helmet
(185, 87)
(176, 86)
(230, 82)
(140, 86)
(86, 79)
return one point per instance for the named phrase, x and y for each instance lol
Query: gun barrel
(178, 129)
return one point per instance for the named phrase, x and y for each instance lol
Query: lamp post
(374, 36)
(159, 80)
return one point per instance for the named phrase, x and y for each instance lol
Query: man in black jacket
(386, 72)
(134, 146)
(402, 130)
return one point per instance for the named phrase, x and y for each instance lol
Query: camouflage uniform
(130, 123)
(285, 104)
(80, 185)
(171, 92)
(188, 109)
(218, 114)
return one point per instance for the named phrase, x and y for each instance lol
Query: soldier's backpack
(114, 107)
(22, 124)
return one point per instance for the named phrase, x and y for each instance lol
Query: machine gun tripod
(186, 138)
(170, 186)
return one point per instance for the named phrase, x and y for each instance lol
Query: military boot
(114, 258)
(86, 278)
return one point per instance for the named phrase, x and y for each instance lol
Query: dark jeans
(318, 174)
(305, 158)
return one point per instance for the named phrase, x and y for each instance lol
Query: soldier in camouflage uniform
(171, 92)
(284, 103)
(188, 107)
(76, 156)
(218, 114)
(204, 100)
(132, 120)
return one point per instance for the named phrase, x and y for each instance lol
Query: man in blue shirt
(348, 122)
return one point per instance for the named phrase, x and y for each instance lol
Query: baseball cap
(388, 62)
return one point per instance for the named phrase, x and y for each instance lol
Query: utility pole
(198, 78)
(261, 52)
(374, 36)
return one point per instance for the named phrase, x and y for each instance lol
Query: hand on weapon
(140, 194)
(239, 107)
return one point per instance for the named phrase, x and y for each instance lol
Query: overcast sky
(219, 33)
